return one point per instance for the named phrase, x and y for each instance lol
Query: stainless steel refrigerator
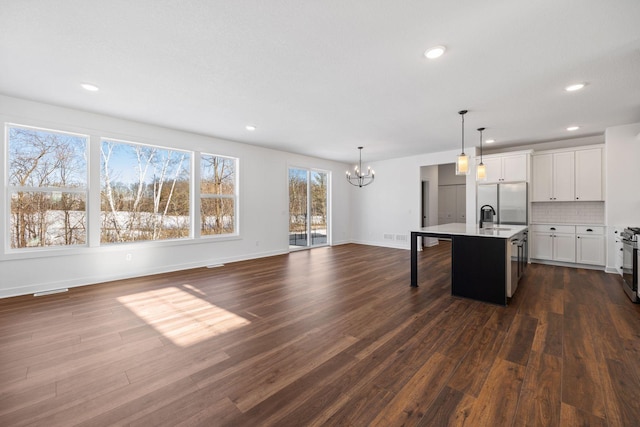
(509, 201)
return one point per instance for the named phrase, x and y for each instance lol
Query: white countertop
(503, 231)
(581, 224)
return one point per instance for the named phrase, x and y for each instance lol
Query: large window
(218, 199)
(144, 193)
(47, 187)
(141, 193)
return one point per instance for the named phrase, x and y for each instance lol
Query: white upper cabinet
(494, 168)
(542, 172)
(563, 177)
(589, 175)
(509, 168)
(566, 176)
(553, 177)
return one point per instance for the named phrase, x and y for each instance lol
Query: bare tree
(297, 200)
(218, 179)
(139, 211)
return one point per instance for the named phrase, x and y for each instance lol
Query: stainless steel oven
(630, 262)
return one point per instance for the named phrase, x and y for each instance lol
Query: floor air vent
(51, 292)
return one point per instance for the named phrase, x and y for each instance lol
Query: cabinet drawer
(583, 229)
(554, 228)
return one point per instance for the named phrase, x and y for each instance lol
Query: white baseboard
(95, 280)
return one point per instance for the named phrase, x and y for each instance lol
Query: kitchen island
(486, 263)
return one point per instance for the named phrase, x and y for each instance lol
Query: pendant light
(481, 171)
(358, 178)
(462, 165)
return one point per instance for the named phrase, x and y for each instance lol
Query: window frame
(95, 135)
(328, 206)
(10, 189)
(234, 197)
(192, 178)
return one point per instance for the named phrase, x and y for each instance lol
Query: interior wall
(385, 212)
(622, 158)
(263, 205)
(447, 175)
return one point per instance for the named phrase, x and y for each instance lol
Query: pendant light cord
(462, 113)
(462, 133)
(480, 130)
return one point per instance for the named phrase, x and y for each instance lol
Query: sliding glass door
(308, 202)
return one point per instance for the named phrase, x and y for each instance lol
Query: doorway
(452, 190)
(308, 208)
(429, 201)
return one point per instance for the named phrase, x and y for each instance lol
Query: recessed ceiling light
(90, 87)
(490, 141)
(574, 87)
(251, 128)
(572, 128)
(435, 52)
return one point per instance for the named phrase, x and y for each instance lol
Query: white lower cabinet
(618, 249)
(553, 242)
(568, 243)
(564, 247)
(590, 245)
(541, 245)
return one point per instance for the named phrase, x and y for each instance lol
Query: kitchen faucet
(486, 214)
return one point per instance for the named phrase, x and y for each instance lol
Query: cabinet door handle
(577, 198)
(552, 228)
(578, 237)
(588, 229)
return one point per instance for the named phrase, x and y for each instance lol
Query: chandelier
(358, 178)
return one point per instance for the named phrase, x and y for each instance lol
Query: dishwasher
(516, 262)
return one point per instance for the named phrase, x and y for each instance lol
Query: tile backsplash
(568, 212)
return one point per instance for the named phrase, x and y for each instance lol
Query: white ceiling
(323, 77)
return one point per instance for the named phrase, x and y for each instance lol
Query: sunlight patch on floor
(181, 316)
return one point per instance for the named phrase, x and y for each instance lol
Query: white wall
(622, 157)
(263, 207)
(391, 205)
(447, 175)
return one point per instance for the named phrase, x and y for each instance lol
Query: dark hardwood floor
(330, 336)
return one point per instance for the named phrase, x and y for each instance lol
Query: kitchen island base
(481, 264)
